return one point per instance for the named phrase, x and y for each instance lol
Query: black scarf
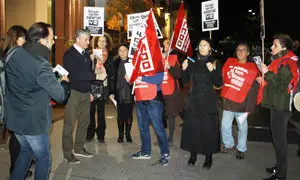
(37, 49)
(200, 64)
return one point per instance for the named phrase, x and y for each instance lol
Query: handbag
(97, 90)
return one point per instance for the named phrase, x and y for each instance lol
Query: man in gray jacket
(31, 84)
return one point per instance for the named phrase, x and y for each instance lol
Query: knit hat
(210, 42)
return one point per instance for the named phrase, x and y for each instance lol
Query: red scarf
(289, 59)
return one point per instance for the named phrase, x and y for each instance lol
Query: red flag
(181, 38)
(147, 59)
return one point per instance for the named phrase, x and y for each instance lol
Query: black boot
(272, 170)
(274, 177)
(208, 161)
(121, 132)
(193, 159)
(128, 129)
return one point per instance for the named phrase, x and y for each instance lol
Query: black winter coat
(200, 131)
(123, 89)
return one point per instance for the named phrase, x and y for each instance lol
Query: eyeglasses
(241, 50)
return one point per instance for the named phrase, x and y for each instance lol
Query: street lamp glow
(250, 10)
(253, 13)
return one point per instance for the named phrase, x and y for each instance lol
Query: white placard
(210, 15)
(257, 60)
(93, 20)
(62, 71)
(139, 20)
(137, 34)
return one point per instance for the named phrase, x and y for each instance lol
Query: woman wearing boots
(124, 96)
(174, 103)
(200, 130)
(100, 89)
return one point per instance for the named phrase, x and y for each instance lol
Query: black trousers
(279, 120)
(98, 105)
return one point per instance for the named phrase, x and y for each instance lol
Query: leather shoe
(271, 170)
(274, 177)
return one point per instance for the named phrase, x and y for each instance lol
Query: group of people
(92, 80)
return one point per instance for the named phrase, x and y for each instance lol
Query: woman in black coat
(200, 131)
(124, 96)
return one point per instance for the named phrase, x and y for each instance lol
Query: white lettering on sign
(235, 74)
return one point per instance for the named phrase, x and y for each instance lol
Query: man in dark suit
(78, 63)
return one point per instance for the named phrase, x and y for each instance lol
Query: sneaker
(140, 155)
(72, 159)
(164, 160)
(83, 153)
(239, 155)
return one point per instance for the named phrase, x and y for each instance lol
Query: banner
(210, 15)
(139, 20)
(147, 58)
(181, 38)
(93, 20)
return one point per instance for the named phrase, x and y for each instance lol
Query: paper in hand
(128, 68)
(242, 118)
(257, 60)
(62, 71)
(97, 52)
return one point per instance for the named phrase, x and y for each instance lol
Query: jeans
(151, 112)
(37, 146)
(227, 138)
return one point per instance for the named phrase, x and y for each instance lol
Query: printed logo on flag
(146, 59)
(183, 40)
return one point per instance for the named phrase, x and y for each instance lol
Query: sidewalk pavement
(112, 160)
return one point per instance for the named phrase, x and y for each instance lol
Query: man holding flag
(148, 75)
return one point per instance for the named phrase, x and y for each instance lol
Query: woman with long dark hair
(101, 89)
(15, 36)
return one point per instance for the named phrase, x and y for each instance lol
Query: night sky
(280, 16)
